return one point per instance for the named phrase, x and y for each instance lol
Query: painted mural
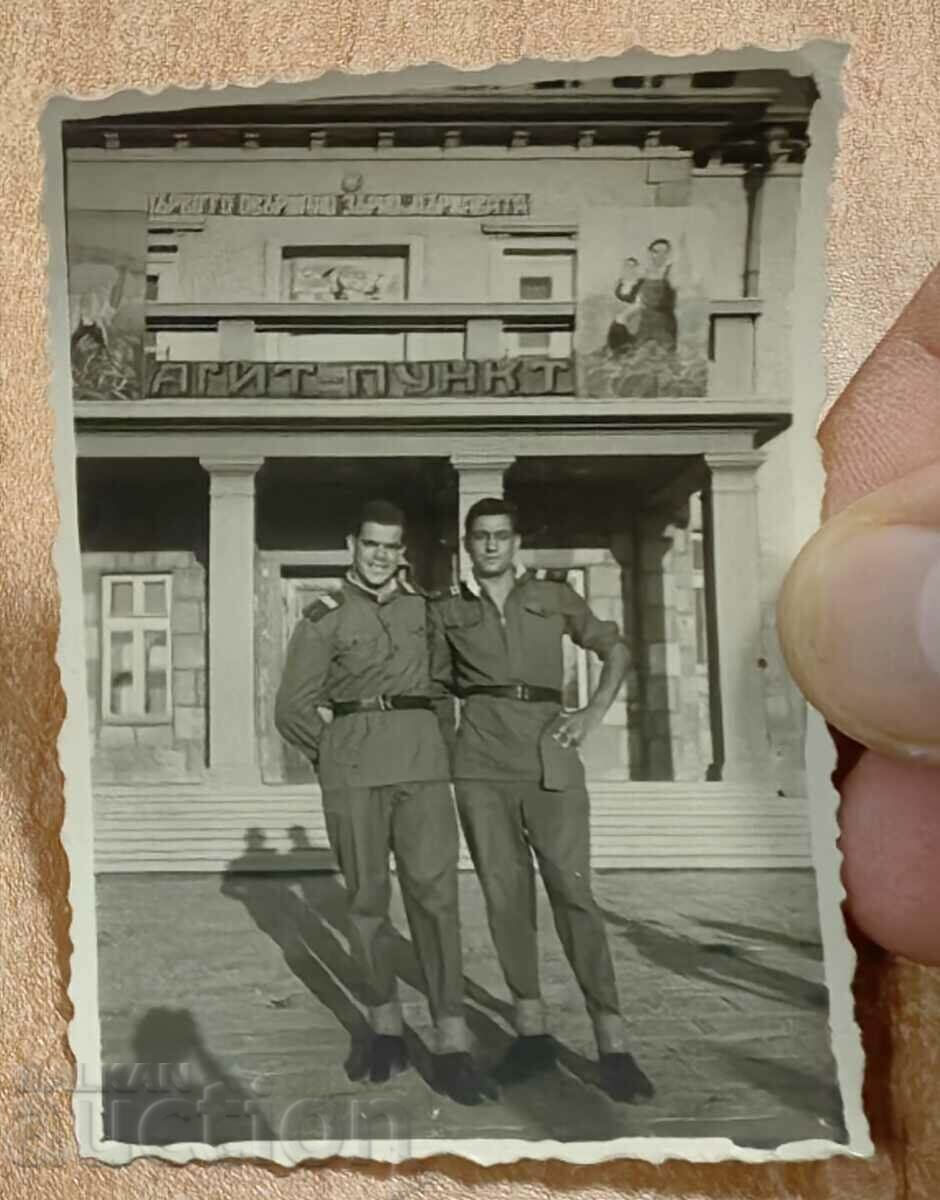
(642, 328)
(107, 256)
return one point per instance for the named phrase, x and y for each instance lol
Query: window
(701, 628)
(136, 667)
(537, 274)
(535, 287)
(698, 593)
(162, 288)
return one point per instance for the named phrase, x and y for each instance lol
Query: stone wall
(672, 723)
(171, 752)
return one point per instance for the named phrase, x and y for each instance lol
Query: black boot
(529, 1055)
(458, 1076)
(622, 1079)
(388, 1056)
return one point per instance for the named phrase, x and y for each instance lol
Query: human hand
(859, 620)
(574, 727)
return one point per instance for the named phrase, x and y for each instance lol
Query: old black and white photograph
(433, 469)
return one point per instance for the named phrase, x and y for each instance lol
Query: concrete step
(638, 825)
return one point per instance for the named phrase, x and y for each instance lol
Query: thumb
(859, 618)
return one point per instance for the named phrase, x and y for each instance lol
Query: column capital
(734, 470)
(231, 464)
(734, 460)
(482, 460)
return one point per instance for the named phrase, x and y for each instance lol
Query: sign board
(339, 204)
(361, 381)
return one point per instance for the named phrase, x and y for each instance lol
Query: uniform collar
(473, 585)
(398, 583)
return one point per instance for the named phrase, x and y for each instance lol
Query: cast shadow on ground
(812, 1095)
(691, 959)
(808, 947)
(176, 1091)
(302, 906)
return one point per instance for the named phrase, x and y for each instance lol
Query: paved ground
(247, 981)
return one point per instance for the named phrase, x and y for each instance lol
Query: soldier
(497, 644)
(383, 769)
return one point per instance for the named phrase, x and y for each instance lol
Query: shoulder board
(551, 576)
(326, 604)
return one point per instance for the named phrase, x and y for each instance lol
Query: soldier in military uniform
(519, 781)
(383, 768)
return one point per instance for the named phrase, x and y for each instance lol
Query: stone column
(742, 750)
(233, 752)
(479, 474)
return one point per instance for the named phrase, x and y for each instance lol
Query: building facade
(575, 294)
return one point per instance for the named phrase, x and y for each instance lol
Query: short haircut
(491, 506)
(660, 242)
(380, 512)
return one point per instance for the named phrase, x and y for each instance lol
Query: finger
(891, 845)
(859, 613)
(860, 618)
(886, 426)
(887, 422)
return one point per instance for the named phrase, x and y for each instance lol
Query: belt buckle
(385, 704)
(522, 691)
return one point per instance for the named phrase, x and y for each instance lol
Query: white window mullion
(139, 672)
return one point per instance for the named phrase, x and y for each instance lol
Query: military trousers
(504, 822)
(416, 822)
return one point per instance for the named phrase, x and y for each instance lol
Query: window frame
(138, 624)
(506, 285)
(699, 596)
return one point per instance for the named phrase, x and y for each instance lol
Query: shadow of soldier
(719, 963)
(262, 881)
(175, 1090)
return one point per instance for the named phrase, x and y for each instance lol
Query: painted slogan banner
(361, 381)
(339, 204)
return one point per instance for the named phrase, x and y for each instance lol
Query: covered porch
(657, 524)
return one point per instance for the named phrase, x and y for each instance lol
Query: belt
(345, 708)
(516, 691)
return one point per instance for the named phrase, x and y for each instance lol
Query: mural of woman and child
(649, 298)
(653, 321)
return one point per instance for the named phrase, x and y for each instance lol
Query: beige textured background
(885, 235)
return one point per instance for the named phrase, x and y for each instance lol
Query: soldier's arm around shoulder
(302, 684)
(440, 658)
(441, 668)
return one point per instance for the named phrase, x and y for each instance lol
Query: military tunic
(474, 644)
(354, 647)
(385, 782)
(507, 809)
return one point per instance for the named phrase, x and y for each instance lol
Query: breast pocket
(544, 629)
